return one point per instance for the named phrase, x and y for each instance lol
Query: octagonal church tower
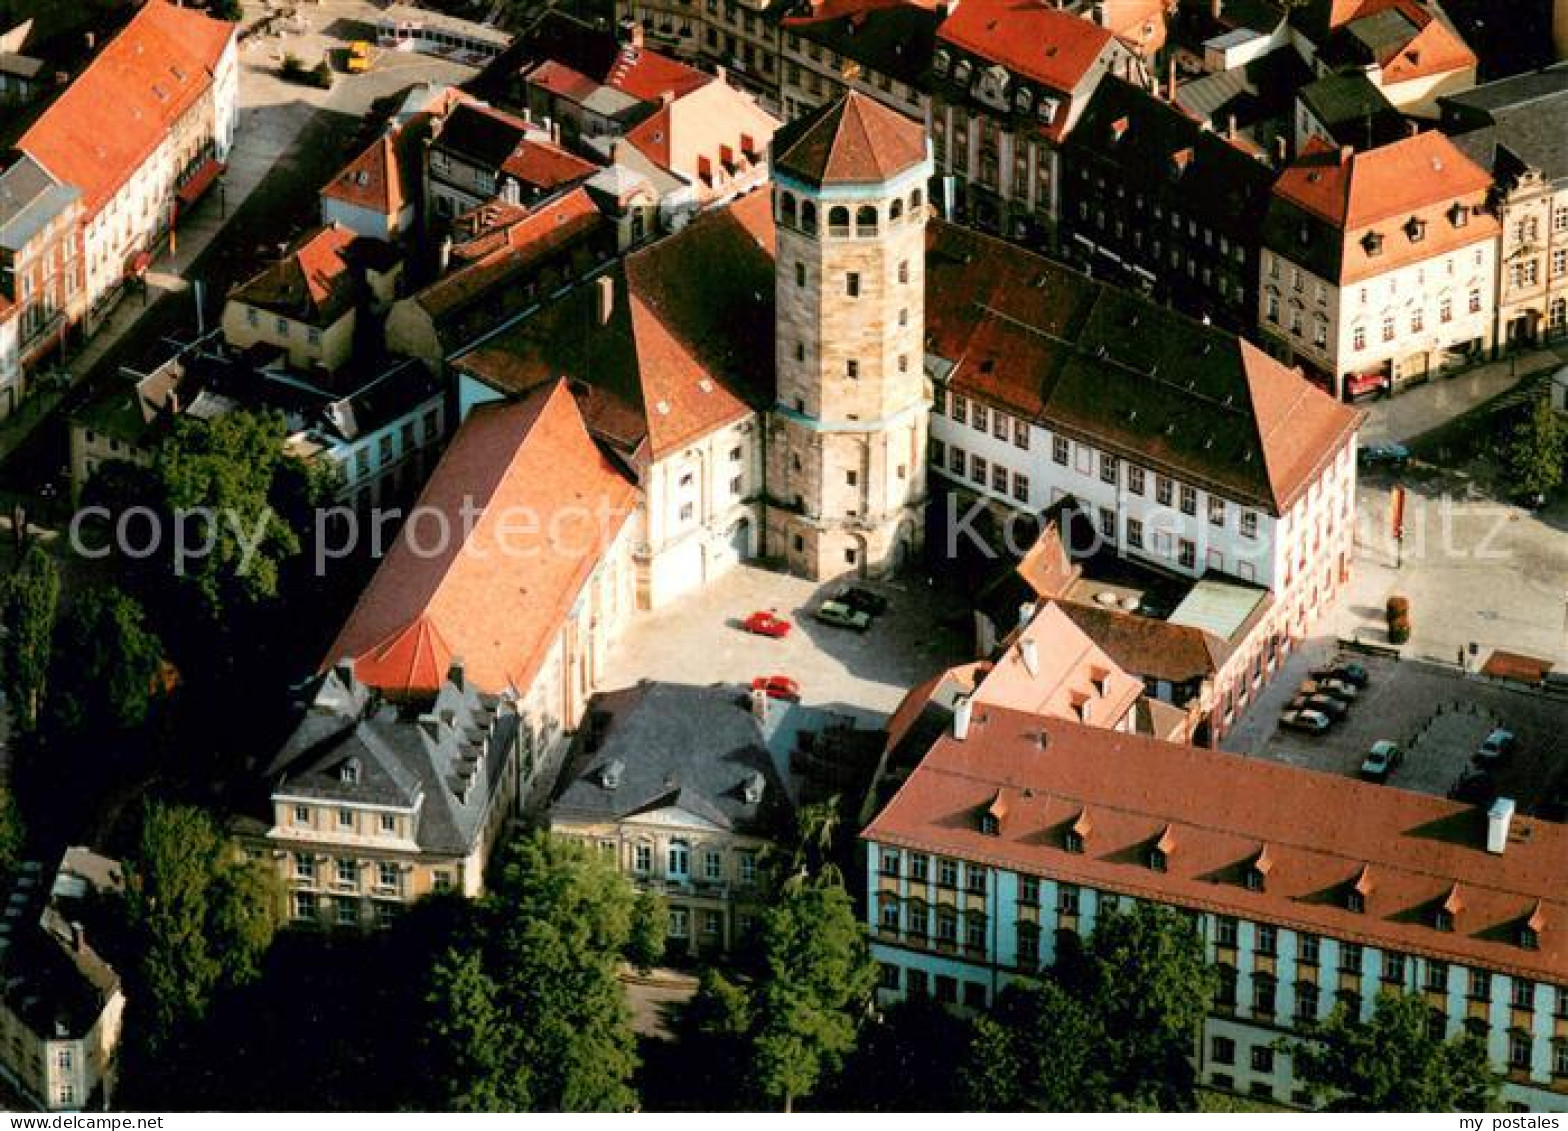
(846, 440)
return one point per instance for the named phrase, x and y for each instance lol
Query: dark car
(1497, 747)
(1348, 672)
(1381, 760)
(1474, 787)
(1326, 705)
(863, 600)
(1310, 722)
(1384, 454)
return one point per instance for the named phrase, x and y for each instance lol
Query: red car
(766, 624)
(777, 687)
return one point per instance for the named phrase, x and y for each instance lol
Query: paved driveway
(697, 640)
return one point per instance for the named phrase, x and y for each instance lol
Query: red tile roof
(692, 135)
(1434, 50)
(1145, 383)
(313, 283)
(544, 165)
(1073, 678)
(854, 140)
(1218, 813)
(529, 504)
(639, 73)
(687, 344)
(117, 111)
(1031, 39)
(1150, 647)
(1353, 189)
(372, 180)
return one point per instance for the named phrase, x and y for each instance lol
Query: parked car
(862, 600)
(1346, 672)
(778, 687)
(1474, 787)
(766, 624)
(1311, 722)
(1339, 689)
(1381, 760)
(840, 615)
(1497, 747)
(1358, 385)
(1333, 709)
(1383, 454)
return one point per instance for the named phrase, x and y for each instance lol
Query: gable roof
(314, 282)
(375, 179)
(1136, 379)
(687, 343)
(101, 129)
(853, 140)
(491, 594)
(30, 199)
(1031, 39)
(1148, 646)
(1073, 677)
(1220, 811)
(692, 134)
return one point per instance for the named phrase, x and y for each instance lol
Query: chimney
(606, 292)
(666, 97)
(173, 402)
(555, 133)
(1498, 820)
(1412, 127)
(1025, 612)
(1346, 152)
(444, 255)
(78, 937)
(1216, 8)
(760, 705)
(1170, 92)
(963, 711)
(1230, 127)
(722, 73)
(1029, 652)
(1281, 153)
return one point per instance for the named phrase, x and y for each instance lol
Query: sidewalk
(1404, 416)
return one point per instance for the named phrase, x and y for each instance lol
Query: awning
(199, 182)
(138, 264)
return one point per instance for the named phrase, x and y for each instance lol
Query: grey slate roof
(692, 748)
(397, 392)
(446, 762)
(1519, 121)
(29, 199)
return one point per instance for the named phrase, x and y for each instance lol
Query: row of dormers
(995, 86)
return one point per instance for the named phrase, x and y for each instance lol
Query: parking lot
(1437, 715)
(697, 639)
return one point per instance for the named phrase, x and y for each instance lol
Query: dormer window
(1256, 876)
(1072, 842)
(995, 813)
(1021, 100)
(1447, 911)
(1077, 835)
(1372, 243)
(1415, 229)
(1459, 215)
(1047, 110)
(941, 62)
(1356, 894)
(751, 789)
(348, 773)
(1159, 854)
(962, 71)
(1529, 933)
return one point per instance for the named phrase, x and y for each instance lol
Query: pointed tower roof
(854, 140)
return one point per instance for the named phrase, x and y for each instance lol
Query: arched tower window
(838, 221)
(895, 212)
(787, 209)
(866, 220)
(808, 216)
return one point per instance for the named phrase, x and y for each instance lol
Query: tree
(472, 1039)
(1040, 1049)
(817, 979)
(550, 939)
(1392, 1062)
(200, 918)
(12, 833)
(1537, 450)
(905, 1061)
(650, 922)
(29, 604)
(1149, 986)
(105, 666)
(713, 1042)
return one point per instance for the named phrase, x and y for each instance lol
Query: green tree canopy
(29, 605)
(105, 665)
(200, 918)
(1392, 1062)
(816, 983)
(1149, 985)
(12, 833)
(1039, 1049)
(1537, 450)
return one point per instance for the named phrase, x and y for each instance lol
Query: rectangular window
(1222, 1050)
(1189, 499)
(748, 868)
(852, 369)
(1108, 465)
(1225, 931)
(1268, 939)
(305, 868)
(1186, 553)
(919, 867)
(642, 858)
(1481, 985)
(999, 479)
(975, 876)
(1519, 1050)
(1061, 450)
(981, 419)
(1108, 524)
(800, 274)
(1436, 975)
(1135, 533)
(1021, 434)
(1029, 890)
(1263, 1058)
(979, 468)
(386, 876)
(1393, 968)
(301, 814)
(348, 873)
(960, 409)
(1307, 948)
(947, 873)
(1350, 958)
(938, 453)
(1021, 487)
(1522, 993)
(999, 425)
(1163, 490)
(713, 866)
(852, 284)
(1067, 899)
(345, 818)
(1216, 511)
(1249, 524)
(1134, 479)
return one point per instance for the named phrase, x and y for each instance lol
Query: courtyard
(697, 639)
